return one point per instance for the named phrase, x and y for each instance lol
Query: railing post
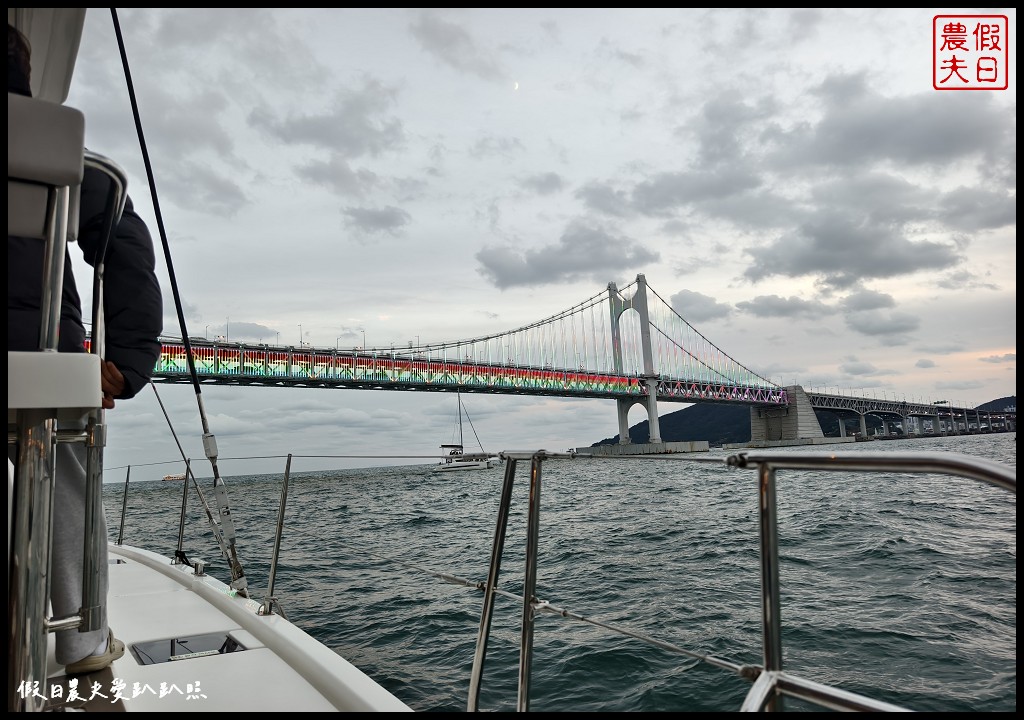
(494, 570)
(179, 555)
(267, 608)
(28, 591)
(771, 614)
(530, 583)
(124, 506)
(94, 555)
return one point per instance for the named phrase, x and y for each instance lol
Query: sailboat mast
(458, 396)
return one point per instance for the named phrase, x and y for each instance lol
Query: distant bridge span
(941, 415)
(629, 346)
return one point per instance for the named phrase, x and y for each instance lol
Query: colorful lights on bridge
(236, 364)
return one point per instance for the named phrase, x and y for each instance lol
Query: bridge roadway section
(778, 415)
(944, 417)
(433, 370)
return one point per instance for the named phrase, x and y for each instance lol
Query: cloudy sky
(788, 178)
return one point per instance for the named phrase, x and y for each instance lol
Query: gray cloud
(867, 300)
(696, 307)
(844, 251)
(338, 176)
(615, 52)
(543, 183)
(452, 45)
(199, 187)
(976, 208)
(941, 348)
(848, 216)
(861, 127)
(964, 280)
(377, 220)
(725, 128)
(583, 251)
(606, 199)
(1005, 358)
(766, 306)
(875, 322)
(356, 125)
(667, 192)
(876, 198)
(189, 133)
(853, 366)
(238, 331)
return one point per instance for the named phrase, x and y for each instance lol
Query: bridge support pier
(623, 405)
(652, 410)
(795, 422)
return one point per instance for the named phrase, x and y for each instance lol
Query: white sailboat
(455, 455)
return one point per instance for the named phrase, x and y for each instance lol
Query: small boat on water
(457, 459)
(455, 456)
(174, 478)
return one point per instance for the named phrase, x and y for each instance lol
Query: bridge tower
(618, 305)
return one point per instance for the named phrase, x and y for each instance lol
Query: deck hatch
(185, 648)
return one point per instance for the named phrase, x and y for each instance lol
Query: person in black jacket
(133, 318)
(132, 301)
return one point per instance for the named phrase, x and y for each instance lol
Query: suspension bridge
(627, 344)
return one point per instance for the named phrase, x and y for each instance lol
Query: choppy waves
(900, 587)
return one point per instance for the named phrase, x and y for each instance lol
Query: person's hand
(112, 382)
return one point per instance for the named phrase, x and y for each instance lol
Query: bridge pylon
(617, 306)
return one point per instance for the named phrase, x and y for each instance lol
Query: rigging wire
(238, 579)
(217, 534)
(462, 409)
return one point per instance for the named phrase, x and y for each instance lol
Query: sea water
(898, 586)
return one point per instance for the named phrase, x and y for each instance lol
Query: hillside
(720, 424)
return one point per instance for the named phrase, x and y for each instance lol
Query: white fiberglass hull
(158, 610)
(465, 465)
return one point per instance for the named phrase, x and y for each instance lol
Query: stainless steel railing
(771, 684)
